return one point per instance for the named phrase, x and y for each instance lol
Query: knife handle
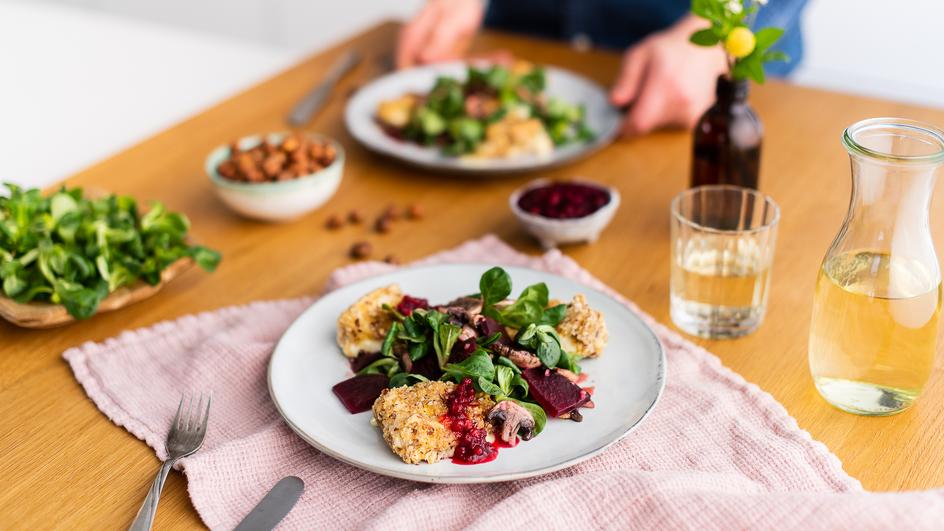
(306, 108)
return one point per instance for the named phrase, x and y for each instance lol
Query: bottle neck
(729, 91)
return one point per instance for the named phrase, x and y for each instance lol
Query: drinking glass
(723, 240)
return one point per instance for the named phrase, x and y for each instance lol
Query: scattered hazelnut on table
(355, 217)
(391, 212)
(391, 259)
(334, 222)
(360, 250)
(382, 225)
(414, 211)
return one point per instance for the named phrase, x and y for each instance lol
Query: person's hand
(667, 81)
(442, 31)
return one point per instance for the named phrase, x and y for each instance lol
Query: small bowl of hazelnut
(276, 177)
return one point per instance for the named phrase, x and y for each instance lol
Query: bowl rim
(216, 155)
(542, 181)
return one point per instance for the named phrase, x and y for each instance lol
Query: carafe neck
(890, 197)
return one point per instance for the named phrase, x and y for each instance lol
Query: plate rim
(448, 165)
(494, 478)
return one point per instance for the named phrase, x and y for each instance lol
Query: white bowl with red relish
(564, 212)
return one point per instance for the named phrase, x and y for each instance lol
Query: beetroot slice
(364, 359)
(428, 366)
(358, 394)
(487, 328)
(553, 392)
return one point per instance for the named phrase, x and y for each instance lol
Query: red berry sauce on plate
(408, 304)
(472, 446)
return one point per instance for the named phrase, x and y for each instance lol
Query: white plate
(629, 377)
(359, 115)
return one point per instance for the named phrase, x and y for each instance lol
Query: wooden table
(64, 462)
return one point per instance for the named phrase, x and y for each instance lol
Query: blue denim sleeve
(786, 14)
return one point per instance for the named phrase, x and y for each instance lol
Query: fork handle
(145, 518)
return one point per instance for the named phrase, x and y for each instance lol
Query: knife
(314, 100)
(274, 506)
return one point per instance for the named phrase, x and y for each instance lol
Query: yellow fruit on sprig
(740, 42)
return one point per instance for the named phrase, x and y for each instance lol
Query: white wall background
(94, 76)
(887, 48)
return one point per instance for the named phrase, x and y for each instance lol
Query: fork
(185, 438)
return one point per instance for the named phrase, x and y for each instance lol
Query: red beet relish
(408, 304)
(471, 445)
(564, 200)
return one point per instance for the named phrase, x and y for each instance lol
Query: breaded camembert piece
(583, 330)
(397, 112)
(409, 419)
(513, 135)
(362, 327)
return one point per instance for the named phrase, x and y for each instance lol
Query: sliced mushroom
(472, 305)
(401, 352)
(521, 358)
(511, 420)
(467, 333)
(464, 309)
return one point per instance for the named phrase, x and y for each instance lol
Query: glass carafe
(874, 330)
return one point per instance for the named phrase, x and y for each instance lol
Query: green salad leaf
(540, 417)
(543, 341)
(401, 379)
(72, 250)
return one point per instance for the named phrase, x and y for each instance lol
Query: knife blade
(274, 506)
(306, 108)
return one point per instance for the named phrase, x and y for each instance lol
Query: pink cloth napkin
(716, 453)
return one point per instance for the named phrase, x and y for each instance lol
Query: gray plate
(306, 363)
(602, 118)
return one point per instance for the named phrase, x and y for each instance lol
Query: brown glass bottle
(727, 139)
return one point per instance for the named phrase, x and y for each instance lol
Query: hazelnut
(414, 211)
(244, 163)
(383, 225)
(227, 169)
(334, 222)
(298, 169)
(290, 144)
(329, 153)
(360, 250)
(316, 150)
(391, 259)
(355, 216)
(391, 212)
(272, 165)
